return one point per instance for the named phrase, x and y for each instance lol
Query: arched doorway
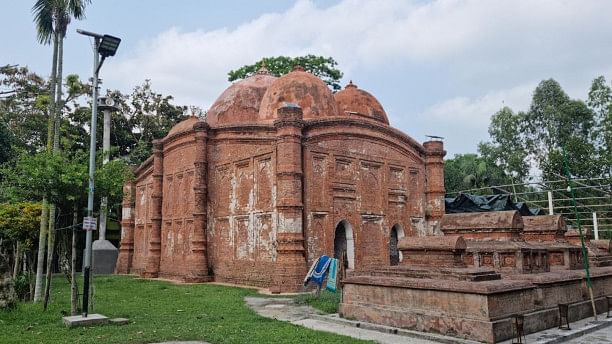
(343, 241)
(395, 256)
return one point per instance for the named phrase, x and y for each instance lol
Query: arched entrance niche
(343, 240)
(397, 232)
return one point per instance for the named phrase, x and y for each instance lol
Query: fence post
(595, 227)
(550, 203)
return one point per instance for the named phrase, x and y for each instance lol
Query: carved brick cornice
(158, 146)
(375, 126)
(289, 206)
(201, 126)
(297, 138)
(297, 123)
(146, 164)
(290, 174)
(176, 136)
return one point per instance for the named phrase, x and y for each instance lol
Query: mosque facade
(280, 172)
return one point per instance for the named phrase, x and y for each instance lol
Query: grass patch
(327, 301)
(158, 311)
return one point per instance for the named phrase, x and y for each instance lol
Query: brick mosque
(282, 171)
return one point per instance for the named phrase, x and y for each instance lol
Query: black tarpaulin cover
(466, 203)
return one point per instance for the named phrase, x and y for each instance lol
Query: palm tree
(52, 18)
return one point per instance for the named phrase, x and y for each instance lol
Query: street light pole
(104, 45)
(92, 169)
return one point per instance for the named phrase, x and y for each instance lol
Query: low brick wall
(481, 311)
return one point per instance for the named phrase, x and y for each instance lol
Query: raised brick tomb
(472, 288)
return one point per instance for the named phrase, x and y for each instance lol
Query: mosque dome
(301, 88)
(355, 101)
(240, 102)
(183, 126)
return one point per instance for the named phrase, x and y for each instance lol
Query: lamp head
(108, 45)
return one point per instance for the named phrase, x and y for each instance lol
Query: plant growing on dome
(323, 67)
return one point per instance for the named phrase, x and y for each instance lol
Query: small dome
(354, 101)
(301, 88)
(240, 102)
(183, 126)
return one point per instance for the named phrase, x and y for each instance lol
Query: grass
(158, 311)
(327, 301)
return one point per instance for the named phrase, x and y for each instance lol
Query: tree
(55, 177)
(554, 121)
(52, 18)
(600, 101)
(323, 67)
(18, 230)
(6, 144)
(506, 149)
(145, 115)
(535, 139)
(470, 171)
(23, 100)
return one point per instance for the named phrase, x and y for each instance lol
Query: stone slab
(80, 320)
(104, 257)
(119, 321)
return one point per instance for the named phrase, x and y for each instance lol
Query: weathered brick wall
(353, 173)
(177, 206)
(242, 221)
(142, 219)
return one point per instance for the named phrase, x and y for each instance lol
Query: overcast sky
(438, 67)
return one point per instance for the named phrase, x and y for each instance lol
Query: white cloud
(464, 121)
(474, 45)
(477, 111)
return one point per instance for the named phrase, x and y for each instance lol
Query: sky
(437, 67)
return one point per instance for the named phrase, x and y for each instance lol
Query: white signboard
(90, 223)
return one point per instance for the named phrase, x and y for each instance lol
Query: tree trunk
(56, 134)
(30, 272)
(44, 217)
(17, 260)
(59, 106)
(42, 242)
(50, 254)
(74, 289)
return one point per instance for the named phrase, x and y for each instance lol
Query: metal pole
(105, 159)
(550, 203)
(92, 169)
(585, 254)
(595, 227)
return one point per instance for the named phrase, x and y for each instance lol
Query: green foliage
(6, 144)
(146, 116)
(555, 121)
(58, 177)
(470, 171)
(23, 100)
(22, 286)
(600, 100)
(19, 222)
(53, 16)
(507, 149)
(109, 180)
(323, 67)
(158, 311)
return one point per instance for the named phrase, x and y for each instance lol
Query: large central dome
(240, 102)
(302, 88)
(257, 98)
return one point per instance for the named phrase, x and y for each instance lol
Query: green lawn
(326, 302)
(158, 311)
